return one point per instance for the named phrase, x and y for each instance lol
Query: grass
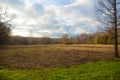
(103, 70)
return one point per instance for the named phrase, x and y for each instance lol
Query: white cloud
(47, 18)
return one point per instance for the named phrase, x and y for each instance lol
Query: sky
(51, 18)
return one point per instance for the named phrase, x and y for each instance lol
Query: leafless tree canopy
(105, 12)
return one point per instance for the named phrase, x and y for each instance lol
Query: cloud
(53, 18)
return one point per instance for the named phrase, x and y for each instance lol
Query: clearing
(59, 62)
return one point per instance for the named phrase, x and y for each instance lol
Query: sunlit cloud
(52, 18)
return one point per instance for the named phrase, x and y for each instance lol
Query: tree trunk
(115, 30)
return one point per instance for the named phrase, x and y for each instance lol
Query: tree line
(84, 38)
(96, 38)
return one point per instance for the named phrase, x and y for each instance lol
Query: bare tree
(4, 28)
(108, 13)
(65, 39)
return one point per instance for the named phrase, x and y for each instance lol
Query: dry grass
(39, 56)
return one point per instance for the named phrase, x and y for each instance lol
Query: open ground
(40, 56)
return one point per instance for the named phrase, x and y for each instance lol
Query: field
(59, 62)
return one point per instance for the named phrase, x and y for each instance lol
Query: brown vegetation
(39, 56)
